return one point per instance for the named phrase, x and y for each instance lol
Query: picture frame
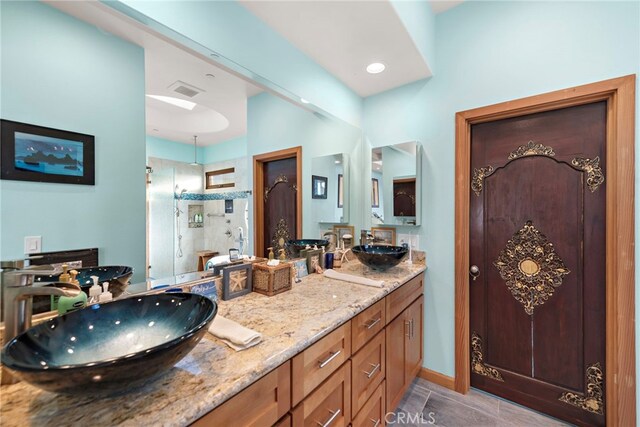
(319, 187)
(341, 230)
(384, 236)
(300, 268)
(375, 193)
(314, 258)
(340, 190)
(41, 154)
(236, 281)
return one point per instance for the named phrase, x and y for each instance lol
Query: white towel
(332, 274)
(233, 334)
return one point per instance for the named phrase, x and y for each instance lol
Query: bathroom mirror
(329, 196)
(395, 184)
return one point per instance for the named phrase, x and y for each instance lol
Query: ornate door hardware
(279, 180)
(591, 167)
(593, 399)
(477, 360)
(530, 267)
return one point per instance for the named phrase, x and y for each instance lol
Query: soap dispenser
(64, 278)
(271, 255)
(282, 257)
(68, 304)
(105, 296)
(94, 291)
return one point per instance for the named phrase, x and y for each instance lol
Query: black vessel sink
(295, 246)
(110, 347)
(380, 257)
(118, 277)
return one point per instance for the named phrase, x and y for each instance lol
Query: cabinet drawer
(317, 362)
(269, 397)
(400, 299)
(329, 405)
(367, 371)
(284, 421)
(373, 412)
(367, 324)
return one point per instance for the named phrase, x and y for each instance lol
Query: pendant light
(195, 151)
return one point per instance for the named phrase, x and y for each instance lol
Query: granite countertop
(212, 373)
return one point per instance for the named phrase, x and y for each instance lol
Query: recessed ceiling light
(209, 75)
(182, 103)
(375, 68)
(304, 101)
(337, 162)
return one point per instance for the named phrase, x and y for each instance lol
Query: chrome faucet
(366, 238)
(17, 289)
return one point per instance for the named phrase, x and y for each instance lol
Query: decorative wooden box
(271, 281)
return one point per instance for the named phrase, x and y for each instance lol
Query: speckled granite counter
(212, 372)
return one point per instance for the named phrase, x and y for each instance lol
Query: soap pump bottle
(68, 304)
(105, 296)
(94, 291)
(64, 278)
(283, 256)
(271, 255)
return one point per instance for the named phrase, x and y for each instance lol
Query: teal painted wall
(59, 72)
(419, 21)
(172, 150)
(489, 52)
(229, 29)
(275, 124)
(227, 150)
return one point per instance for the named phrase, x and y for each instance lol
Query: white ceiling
(165, 63)
(345, 36)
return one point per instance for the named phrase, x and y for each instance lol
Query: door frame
(258, 200)
(620, 280)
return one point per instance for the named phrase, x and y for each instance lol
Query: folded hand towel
(332, 274)
(233, 334)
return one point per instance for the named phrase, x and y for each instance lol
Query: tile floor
(430, 404)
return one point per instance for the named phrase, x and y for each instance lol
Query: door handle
(373, 371)
(407, 325)
(334, 415)
(412, 329)
(329, 359)
(474, 272)
(373, 323)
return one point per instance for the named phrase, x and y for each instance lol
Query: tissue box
(271, 281)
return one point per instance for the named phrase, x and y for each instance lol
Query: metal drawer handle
(330, 358)
(334, 415)
(407, 323)
(412, 329)
(376, 423)
(374, 323)
(373, 371)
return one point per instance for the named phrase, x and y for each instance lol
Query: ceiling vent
(185, 89)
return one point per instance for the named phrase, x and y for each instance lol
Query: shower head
(179, 195)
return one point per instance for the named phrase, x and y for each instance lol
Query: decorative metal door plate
(530, 267)
(591, 167)
(593, 399)
(531, 149)
(477, 360)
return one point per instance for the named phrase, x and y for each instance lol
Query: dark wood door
(537, 236)
(280, 203)
(404, 197)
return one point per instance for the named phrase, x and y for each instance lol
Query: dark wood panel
(281, 202)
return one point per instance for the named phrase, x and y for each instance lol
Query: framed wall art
(318, 187)
(41, 154)
(236, 281)
(384, 236)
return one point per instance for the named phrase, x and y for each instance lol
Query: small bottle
(64, 278)
(271, 255)
(283, 257)
(105, 296)
(94, 291)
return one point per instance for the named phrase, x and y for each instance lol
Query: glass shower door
(161, 224)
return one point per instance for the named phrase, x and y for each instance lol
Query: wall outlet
(412, 239)
(32, 244)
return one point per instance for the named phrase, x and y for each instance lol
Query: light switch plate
(412, 239)
(32, 244)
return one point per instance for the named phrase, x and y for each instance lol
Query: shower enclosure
(162, 222)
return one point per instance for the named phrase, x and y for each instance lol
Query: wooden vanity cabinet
(404, 351)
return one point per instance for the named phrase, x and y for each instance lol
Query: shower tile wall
(221, 231)
(190, 178)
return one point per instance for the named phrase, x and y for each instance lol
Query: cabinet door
(396, 360)
(414, 340)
